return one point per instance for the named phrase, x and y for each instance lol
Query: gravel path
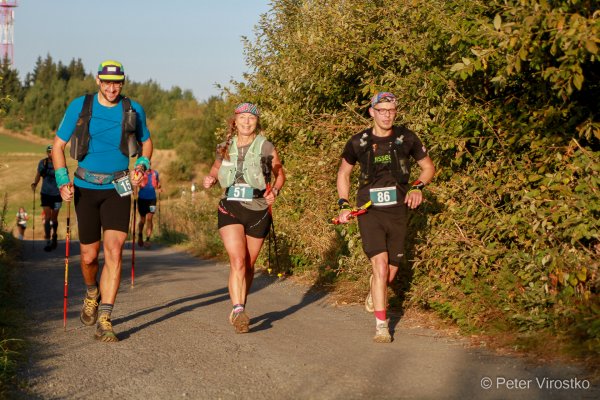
(176, 342)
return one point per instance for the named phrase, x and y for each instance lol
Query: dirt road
(176, 342)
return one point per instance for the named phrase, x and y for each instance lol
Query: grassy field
(19, 157)
(13, 144)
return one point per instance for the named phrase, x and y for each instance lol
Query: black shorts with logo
(100, 210)
(146, 206)
(256, 223)
(383, 230)
(48, 200)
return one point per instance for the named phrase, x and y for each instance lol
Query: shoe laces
(89, 305)
(382, 329)
(105, 323)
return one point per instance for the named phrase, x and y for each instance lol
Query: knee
(381, 270)
(89, 257)
(113, 250)
(237, 263)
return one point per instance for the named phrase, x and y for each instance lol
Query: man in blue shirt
(50, 198)
(102, 140)
(147, 205)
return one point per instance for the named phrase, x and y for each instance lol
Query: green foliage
(505, 95)
(10, 316)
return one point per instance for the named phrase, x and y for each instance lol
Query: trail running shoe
(48, 246)
(104, 329)
(369, 300)
(231, 317)
(382, 333)
(147, 244)
(240, 322)
(140, 241)
(54, 242)
(89, 311)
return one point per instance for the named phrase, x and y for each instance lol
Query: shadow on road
(265, 321)
(221, 293)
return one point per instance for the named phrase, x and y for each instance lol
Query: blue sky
(192, 44)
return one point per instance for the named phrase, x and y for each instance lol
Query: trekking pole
(133, 236)
(67, 246)
(33, 226)
(159, 225)
(267, 168)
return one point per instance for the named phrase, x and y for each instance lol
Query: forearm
(147, 149)
(427, 170)
(279, 178)
(58, 153)
(343, 185)
(343, 179)
(214, 170)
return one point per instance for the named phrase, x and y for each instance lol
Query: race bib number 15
(123, 186)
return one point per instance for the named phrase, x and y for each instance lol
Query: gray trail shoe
(89, 311)
(240, 322)
(104, 329)
(382, 333)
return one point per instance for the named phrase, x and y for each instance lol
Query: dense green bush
(504, 93)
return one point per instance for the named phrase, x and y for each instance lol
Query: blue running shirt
(104, 155)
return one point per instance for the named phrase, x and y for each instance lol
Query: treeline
(504, 94)
(176, 119)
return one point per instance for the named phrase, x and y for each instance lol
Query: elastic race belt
(256, 193)
(99, 178)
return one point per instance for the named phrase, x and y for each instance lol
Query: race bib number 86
(384, 196)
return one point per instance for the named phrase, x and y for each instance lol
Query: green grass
(10, 144)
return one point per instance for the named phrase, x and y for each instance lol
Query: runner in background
(22, 218)
(147, 205)
(244, 216)
(50, 199)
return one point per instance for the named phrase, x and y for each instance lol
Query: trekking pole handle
(355, 212)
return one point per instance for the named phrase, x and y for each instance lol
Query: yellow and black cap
(111, 70)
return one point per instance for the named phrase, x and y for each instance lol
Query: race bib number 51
(123, 186)
(384, 196)
(240, 192)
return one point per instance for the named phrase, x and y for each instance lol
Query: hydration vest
(45, 168)
(363, 147)
(251, 169)
(153, 181)
(80, 140)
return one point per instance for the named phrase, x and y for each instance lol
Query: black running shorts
(256, 223)
(48, 200)
(146, 206)
(383, 230)
(98, 211)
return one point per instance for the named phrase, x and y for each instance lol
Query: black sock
(47, 227)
